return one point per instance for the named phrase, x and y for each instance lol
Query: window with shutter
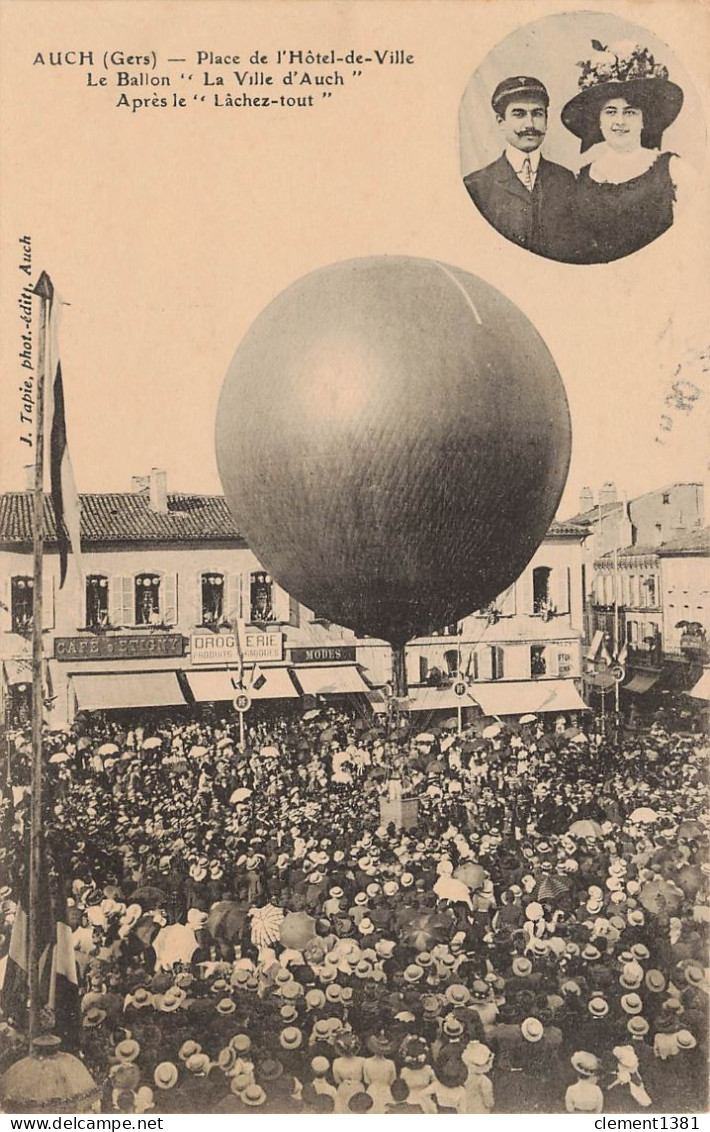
(234, 600)
(96, 601)
(168, 604)
(506, 602)
(282, 605)
(261, 598)
(127, 607)
(561, 588)
(5, 606)
(538, 661)
(212, 599)
(541, 589)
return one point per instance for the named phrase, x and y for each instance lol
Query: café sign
(322, 654)
(122, 647)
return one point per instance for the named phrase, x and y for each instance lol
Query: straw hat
(165, 1075)
(585, 1064)
(631, 1004)
(532, 1029)
(598, 1007)
(127, 1050)
(253, 1095)
(291, 1038)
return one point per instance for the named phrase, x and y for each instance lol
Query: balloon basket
(402, 812)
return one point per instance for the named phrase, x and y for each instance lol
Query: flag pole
(45, 292)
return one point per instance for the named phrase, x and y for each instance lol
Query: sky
(167, 231)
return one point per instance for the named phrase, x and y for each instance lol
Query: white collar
(517, 158)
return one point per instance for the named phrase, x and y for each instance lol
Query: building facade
(149, 620)
(648, 600)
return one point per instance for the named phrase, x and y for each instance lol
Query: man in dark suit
(526, 198)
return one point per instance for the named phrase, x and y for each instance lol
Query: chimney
(608, 493)
(158, 490)
(140, 484)
(29, 477)
(586, 499)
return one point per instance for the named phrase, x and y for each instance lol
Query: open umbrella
(436, 766)
(60, 757)
(644, 815)
(328, 735)
(448, 888)
(297, 929)
(226, 920)
(146, 929)
(659, 896)
(529, 718)
(173, 944)
(149, 896)
(691, 827)
(470, 874)
(424, 930)
(472, 745)
(424, 737)
(265, 924)
(241, 794)
(196, 752)
(492, 731)
(83, 743)
(151, 743)
(579, 739)
(585, 828)
(269, 752)
(312, 714)
(552, 888)
(107, 749)
(450, 721)
(690, 879)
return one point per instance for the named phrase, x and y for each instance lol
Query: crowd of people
(251, 937)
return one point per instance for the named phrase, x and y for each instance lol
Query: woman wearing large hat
(626, 195)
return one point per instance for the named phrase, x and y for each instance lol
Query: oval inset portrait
(581, 138)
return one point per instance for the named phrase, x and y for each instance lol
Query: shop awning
(701, 690)
(436, 699)
(212, 686)
(641, 682)
(18, 671)
(127, 690)
(377, 702)
(336, 681)
(523, 696)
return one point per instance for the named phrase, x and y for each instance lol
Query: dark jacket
(542, 220)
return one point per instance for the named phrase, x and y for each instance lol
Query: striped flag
(67, 508)
(58, 982)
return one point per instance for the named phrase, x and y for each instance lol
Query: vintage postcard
(354, 588)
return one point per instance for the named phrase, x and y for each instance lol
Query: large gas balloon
(393, 439)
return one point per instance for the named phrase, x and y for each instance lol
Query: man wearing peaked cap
(525, 197)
